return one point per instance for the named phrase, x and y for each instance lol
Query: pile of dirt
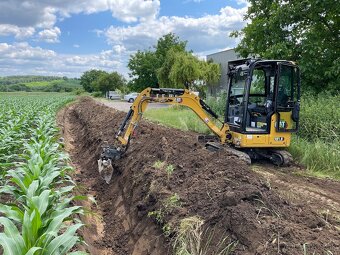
(167, 176)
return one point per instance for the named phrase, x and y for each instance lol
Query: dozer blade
(105, 162)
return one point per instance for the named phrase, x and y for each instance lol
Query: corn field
(37, 215)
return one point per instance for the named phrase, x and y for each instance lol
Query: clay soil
(262, 209)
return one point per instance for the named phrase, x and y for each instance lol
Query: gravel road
(125, 106)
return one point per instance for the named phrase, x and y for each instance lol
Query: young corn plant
(42, 219)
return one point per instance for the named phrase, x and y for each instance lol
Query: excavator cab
(263, 103)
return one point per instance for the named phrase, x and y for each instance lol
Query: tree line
(166, 64)
(17, 79)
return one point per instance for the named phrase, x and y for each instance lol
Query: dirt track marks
(322, 195)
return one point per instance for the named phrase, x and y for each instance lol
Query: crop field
(36, 208)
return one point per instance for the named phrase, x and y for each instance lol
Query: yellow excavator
(262, 112)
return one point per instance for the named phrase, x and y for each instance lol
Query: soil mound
(167, 182)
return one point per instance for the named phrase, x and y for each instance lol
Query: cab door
(287, 101)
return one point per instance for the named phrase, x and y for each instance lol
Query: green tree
(109, 82)
(167, 42)
(89, 77)
(182, 68)
(305, 31)
(144, 64)
(179, 69)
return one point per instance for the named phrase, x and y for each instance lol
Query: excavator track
(281, 158)
(214, 146)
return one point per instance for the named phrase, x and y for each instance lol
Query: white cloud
(207, 32)
(43, 14)
(22, 58)
(22, 52)
(37, 19)
(22, 18)
(103, 60)
(242, 2)
(49, 35)
(119, 49)
(18, 32)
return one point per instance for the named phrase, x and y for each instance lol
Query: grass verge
(321, 158)
(177, 117)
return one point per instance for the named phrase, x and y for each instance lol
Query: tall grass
(193, 239)
(317, 144)
(321, 158)
(178, 117)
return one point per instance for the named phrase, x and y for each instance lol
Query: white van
(113, 95)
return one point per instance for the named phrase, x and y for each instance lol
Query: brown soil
(254, 208)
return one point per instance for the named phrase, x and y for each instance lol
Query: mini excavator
(262, 112)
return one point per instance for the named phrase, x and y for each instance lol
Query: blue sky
(66, 38)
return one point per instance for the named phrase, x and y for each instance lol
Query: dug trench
(167, 181)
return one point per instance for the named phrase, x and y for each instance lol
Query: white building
(222, 58)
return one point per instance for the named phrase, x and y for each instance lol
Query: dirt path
(125, 106)
(323, 195)
(264, 211)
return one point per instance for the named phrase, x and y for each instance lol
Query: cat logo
(283, 124)
(279, 139)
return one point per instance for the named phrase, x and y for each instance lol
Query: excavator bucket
(106, 160)
(105, 169)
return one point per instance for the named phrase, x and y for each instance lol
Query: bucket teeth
(105, 169)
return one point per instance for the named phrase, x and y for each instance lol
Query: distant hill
(39, 83)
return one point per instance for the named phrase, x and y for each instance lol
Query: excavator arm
(162, 96)
(173, 97)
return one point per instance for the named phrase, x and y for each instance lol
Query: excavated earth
(260, 209)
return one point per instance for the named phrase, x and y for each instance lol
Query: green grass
(71, 83)
(177, 117)
(38, 83)
(317, 144)
(321, 158)
(56, 85)
(319, 118)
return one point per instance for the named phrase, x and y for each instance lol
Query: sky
(69, 37)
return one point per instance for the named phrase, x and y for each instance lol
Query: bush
(78, 91)
(97, 94)
(218, 104)
(15, 87)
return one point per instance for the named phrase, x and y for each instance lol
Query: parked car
(113, 95)
(131, 97)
